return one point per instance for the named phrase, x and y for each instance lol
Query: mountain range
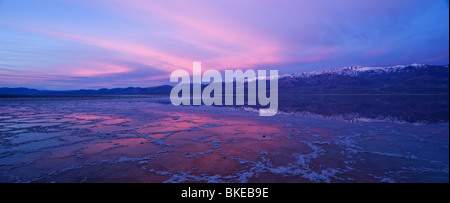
(408, 79)
(164, 89)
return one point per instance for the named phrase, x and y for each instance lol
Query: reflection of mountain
(395, 82)
(409, 108)
(353, 92)
(392, 108)
(414, 93)
(412, 79)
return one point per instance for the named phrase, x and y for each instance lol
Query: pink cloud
(144, 54)
(233, 44)
(210, 35)
(94, 69)
(139, 40)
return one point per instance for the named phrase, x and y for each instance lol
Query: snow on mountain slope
(357, 70)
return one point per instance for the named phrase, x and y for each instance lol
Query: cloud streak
(139, 43)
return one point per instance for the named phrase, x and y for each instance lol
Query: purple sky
(66, 44)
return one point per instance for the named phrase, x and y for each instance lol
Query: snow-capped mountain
(401, 79)
(408, 79)
(357, 70)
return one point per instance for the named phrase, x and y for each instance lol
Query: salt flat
(142, 139)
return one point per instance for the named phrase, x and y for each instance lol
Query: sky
(92, 44)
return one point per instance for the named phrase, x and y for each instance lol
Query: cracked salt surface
(140, 139)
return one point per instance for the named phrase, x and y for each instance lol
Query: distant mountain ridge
(354, 71)
(164, 89)
(409, 79)
(401, 79)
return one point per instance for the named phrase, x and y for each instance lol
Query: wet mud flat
(146, 139)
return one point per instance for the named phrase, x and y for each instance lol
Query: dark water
(407, 108)
(314, 138)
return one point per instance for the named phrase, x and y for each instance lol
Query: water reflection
(395, 108)
(147, 139)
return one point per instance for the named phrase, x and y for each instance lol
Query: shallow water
(146, 139)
